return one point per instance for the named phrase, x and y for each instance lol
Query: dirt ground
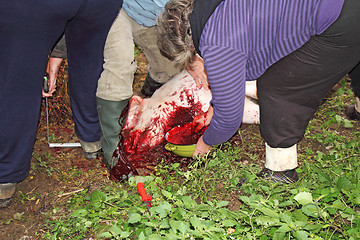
(57, 173)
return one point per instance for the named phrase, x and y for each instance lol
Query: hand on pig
(198, 72)
(202, 120)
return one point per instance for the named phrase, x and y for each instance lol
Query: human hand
(197, 70)
(202, 120)
(52, 69)
(201, 148)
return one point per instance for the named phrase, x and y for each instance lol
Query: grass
(205, 202)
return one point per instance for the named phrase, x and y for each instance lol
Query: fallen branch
(69, 193)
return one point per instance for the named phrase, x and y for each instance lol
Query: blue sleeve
(144, 12)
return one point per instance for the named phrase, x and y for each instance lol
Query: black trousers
(292, 89)
(28, 31)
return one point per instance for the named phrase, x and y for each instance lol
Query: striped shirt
(243, 38)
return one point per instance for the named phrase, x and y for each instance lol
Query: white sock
(281, 159)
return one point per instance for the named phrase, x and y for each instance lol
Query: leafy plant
(206, 201)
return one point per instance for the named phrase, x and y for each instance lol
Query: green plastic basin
(181, 150)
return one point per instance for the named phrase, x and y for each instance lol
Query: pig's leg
(250, 89)
(251, 112)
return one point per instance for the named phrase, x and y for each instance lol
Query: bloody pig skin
(176, 103)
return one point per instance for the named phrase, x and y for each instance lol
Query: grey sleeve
(60, 50)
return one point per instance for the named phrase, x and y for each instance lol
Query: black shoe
(92, 155)
(351, 113)
(150, 86)
(288, 176)
(7, 191)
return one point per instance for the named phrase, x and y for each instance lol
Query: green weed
(199, 203)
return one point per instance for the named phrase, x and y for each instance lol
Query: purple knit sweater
(242, 38)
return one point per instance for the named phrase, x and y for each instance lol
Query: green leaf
(229, 223)
(267, 221)
(216, 229)
(134, 218)
(163, 209)
(179, 213)
(279, 236)
(284, 228)
(312, 227)
(188, 202)
(202, 207)
(222, 204)
(299, 216)
(164, 224)
(105, 235)
(286, 203)
(97, 196)
(115, 230)
(303, 198)
(174, 224)
(310, 210)
(167, 194)
(338, 204)
(141, 236)
(344, 183)
(183, 228)
(80, 213)
(196, 223)
(324, 177)
(301, 235)
(244, 199)
(269, 212)
(154, 237)
(348, 124)
(285, 218)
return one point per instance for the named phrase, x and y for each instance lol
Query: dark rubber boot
(109, 117)
(351, 113)
(92, 150)
(7, 191)
(150, 86)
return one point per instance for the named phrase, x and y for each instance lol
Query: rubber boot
(353, 111)
(109, 117)
(91, 149)
(7, 191)
(150, 86)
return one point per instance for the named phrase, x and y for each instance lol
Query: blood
(184, 135)
(123, 169)
(133, 152)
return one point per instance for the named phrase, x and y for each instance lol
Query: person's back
(266, 31)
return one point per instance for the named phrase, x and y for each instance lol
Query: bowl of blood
(182, 140)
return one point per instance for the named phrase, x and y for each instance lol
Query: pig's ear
(135, 109)
(136, 104)
(135, 101)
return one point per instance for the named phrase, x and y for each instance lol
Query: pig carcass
(177, 102)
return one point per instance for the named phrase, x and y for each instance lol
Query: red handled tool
(145, 198)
